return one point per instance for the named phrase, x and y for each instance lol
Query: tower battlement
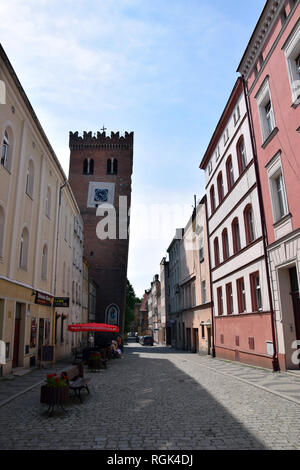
(90, 140)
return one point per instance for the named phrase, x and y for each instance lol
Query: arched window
(7, 148)
(30, 179)
(112, 166)
(115, 166)
(88, 166)
(48, 202)
(85, 167)
(230, 174)
(225, 244)
(241, 153)
(212, 199)
(217, 251)
(44, 262)
(236, 235)
(220, 187)
(24, 246)
(249, 224)
(2, 221)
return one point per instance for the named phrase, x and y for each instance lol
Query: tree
(131, 301)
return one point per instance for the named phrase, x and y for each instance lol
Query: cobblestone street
(157, 398)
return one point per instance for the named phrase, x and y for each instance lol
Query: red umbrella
(94, 327)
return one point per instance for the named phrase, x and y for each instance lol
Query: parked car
(146, 340)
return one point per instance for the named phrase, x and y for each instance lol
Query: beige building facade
(36, 253)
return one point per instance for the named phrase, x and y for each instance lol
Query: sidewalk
(12, 386)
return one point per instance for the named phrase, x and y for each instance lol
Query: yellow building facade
(37, 218)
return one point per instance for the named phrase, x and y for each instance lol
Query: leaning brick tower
(100, 173)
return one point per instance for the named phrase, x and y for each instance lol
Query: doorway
(188, 339)
(41, 335)
(195, 340)
(295, 300)
(17, 335)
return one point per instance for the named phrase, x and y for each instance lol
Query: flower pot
(95, 364)
(54, 395)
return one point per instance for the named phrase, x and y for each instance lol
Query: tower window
(112, 166)
(88, 166)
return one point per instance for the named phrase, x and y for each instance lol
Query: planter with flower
(55, 390)
(94, 362)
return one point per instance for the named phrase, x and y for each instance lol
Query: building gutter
(213, 348)
(275, 361)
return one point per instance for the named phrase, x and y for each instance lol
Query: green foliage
(131, 300)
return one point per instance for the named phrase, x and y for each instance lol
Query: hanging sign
(43, 299)
(62, 302)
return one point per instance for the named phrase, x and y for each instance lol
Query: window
(236, 235)
(44, 262)
(24, 245)
(269, 117)
(283, 16)
(212, 199)
(30, 179)
(112, 166)
(225, 243)
(209, 168)
(278, 195)
(292, 54)
(203, 292)
(220, 187)
(201, 249)
(230, 174)
(216, 251)
(2, 221)
(249, 224)
(256, 292)
(241, 153)
(220, 301)
(229, 298)
(236, 115)
(266, 112)
(218, 154)
(7, 147)
(240, 284)
(226, 136)
(88, 166)
(48, 202)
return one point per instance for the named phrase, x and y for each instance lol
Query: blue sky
(163, 69)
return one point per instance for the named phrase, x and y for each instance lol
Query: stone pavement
(161, 399)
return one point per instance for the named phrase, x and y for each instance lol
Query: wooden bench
(75, 379)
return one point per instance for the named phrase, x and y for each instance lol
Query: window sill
(3, 166)
(270, 137)
(282, 220)
(296, 103)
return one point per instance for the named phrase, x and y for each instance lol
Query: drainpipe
(213, 349)
(55, 269)
(275, 361)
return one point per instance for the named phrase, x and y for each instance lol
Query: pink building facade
(270, 69)
(243, 321)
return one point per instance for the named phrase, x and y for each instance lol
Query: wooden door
(17, 335)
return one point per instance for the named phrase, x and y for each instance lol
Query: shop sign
(62, 302)
(43, 299)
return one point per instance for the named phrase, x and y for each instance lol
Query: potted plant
(94, 362)
(55, 390)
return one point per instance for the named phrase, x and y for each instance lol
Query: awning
(93, 327)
